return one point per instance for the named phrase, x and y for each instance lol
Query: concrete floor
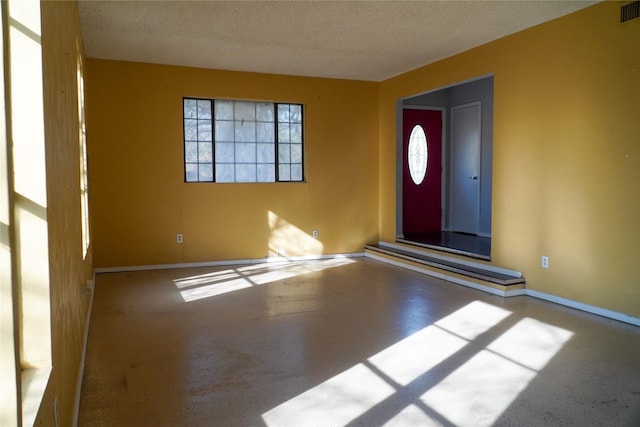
(346, 342)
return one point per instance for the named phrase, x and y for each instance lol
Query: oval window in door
(417, 154)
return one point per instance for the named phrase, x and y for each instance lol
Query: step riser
(444, 249)
(460, 279)
(483, 277)
(418, 251)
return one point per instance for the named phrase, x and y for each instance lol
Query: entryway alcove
(450, 208)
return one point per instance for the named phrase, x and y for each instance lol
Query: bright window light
(406, 360)
(242, 141)
(531, 343)
(473, 319)
(214, 289)
(417, 154)
(288, 240)
(476, 390)
(84, 168)
(412, 415)
(479, 391)
(335, 402)
(208, 285)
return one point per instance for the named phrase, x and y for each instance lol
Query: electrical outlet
(88, 287)
(179, 238)
(315, 234)
(545, 261)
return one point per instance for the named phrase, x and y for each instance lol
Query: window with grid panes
(242, 141)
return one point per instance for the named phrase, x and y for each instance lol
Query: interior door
(421, 199)
(465, 167)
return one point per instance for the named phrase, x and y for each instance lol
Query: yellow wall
(68, 269)
(566, 160)
(139, 199)
(565, 167)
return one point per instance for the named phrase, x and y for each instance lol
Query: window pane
(204, 109)
(190, 152)
(296, 153)
(266, 153)
(225, 153)
(204, 130)
(190, 130)
(225, 173)
(296, 172)
(245, 153)
(191, 170)
(265, 132)
(295, 114)
(283, 113)
(283, 133)
(284, 153)
(254, 141)
(190, 108)
(266, 173)
(205, 152)
(245, 111)
(245, 131)
(205, 172)
(223, 109)
(284, 173)
(264, 112)
(296, 133)
(224, 131)
(245, 173)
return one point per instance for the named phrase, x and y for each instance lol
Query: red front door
(421, 202)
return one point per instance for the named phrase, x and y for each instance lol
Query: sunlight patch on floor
(481, 383)
(479, 391)
(406, 360)
(335, 402)
(531, 343)
(473, 319)
(412, 416)
(208, 285)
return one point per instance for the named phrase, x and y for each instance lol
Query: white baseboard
(83, 354)
(277, 259)
(621, 317)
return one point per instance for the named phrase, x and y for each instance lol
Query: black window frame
(277, 143)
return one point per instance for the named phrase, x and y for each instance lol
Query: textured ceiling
(363, 40)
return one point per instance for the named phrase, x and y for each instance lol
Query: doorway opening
(450, 208)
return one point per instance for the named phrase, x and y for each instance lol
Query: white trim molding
(599, 311)
(89, 288)
(621, 317)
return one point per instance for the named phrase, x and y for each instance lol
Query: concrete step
(489, 278)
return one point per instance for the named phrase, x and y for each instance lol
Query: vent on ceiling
(630, 11)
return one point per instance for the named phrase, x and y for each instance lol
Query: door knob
(475, 178)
